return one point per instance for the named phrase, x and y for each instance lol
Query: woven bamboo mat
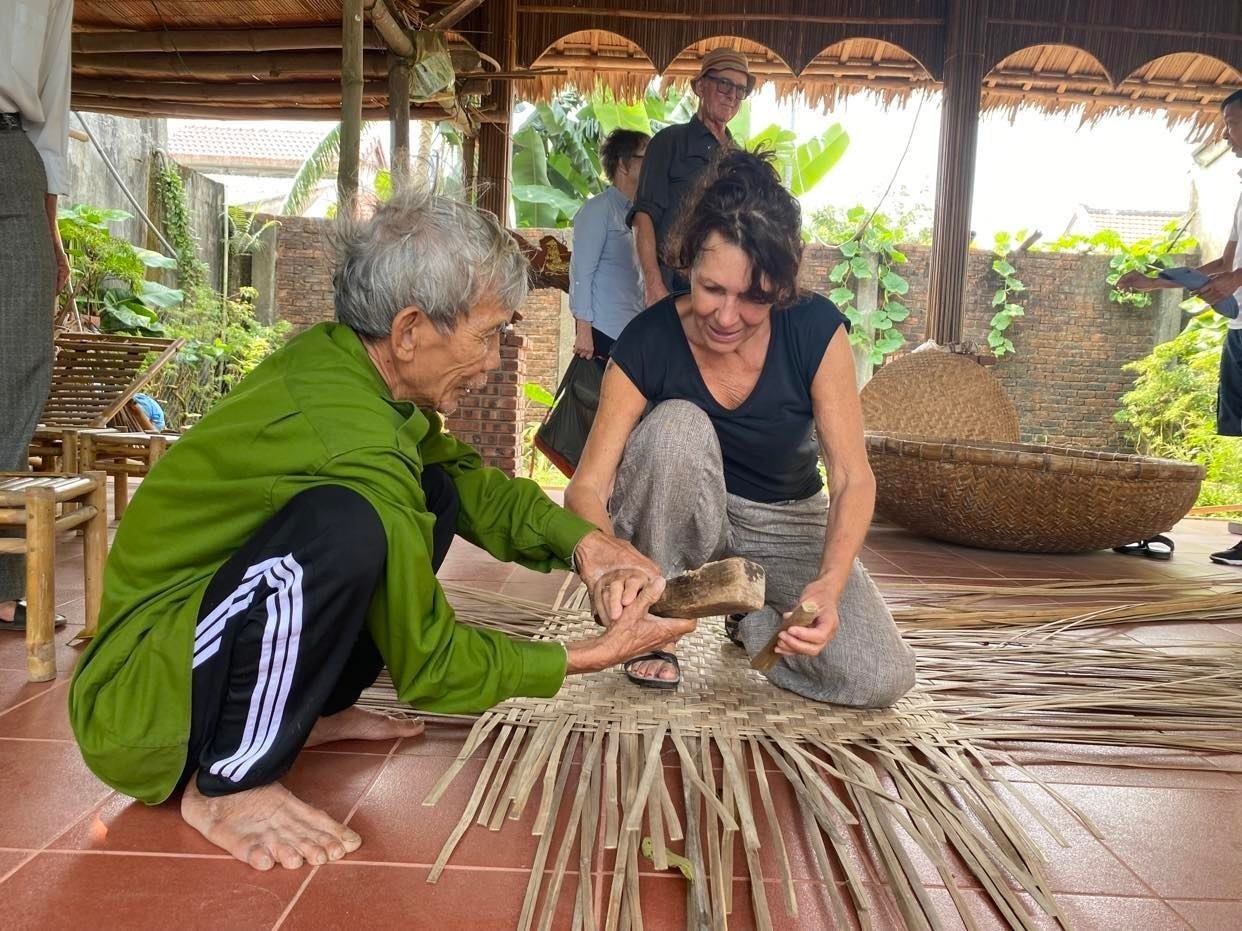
(873, 790)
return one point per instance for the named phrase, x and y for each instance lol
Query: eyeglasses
(727, 88)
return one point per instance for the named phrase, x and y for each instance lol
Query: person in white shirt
(34, 171)
(605, 282)
(1224, 279)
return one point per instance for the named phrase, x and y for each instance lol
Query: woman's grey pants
(27, 292)
(670, 502)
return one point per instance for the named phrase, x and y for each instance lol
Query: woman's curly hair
(741, 198)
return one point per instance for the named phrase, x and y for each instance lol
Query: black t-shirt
(768, 442)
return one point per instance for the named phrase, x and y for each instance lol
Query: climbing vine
(875, 331)
(1149, 256)
(178, 224)
(1007, 308)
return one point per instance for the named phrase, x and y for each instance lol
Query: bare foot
(359, 724)
(266, 826)
(655, 669)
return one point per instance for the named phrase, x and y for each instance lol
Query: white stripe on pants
(278, 657)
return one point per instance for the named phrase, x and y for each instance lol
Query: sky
(1030, 173)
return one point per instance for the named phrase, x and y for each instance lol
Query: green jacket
(314, 413)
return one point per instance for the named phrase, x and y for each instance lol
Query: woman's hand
(616, 574)
(584, 342)
(811, 640)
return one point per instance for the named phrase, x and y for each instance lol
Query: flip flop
(19, 619)
(650, 683)
(1157, 547)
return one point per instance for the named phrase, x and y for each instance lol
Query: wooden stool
(56, 448)
(31, 501)
(121, 455)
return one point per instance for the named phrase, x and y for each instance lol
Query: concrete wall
(128, 145)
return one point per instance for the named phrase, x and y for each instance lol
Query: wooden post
(469, 169)
(94, 552)
(40, 584)
(955, 172)
(351, 107)
(399, 117)
(495, 150)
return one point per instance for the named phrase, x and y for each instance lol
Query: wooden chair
(96, 374)
(120, 455)
(36, 507)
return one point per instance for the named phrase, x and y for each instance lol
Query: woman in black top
(705, 442)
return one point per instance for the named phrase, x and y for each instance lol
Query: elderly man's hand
(1220, 286)
(616, 574)
(632, 633)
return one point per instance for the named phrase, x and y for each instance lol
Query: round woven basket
(1027, 498)
(938, 393)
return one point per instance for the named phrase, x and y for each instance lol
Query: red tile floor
(75, 854)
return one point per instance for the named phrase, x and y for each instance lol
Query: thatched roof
(1052, 78)
(281, 57)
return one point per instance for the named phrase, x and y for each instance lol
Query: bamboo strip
(572, 829)
(612, 814)
(545, 842)
(482, 728)
(556, 760)
(488, 808)
(715, 861)
(690, 772)
(468, 815)
(537, 762)
(698, 902)
(774, 830)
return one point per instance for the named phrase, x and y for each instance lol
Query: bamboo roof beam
(227, 67)
(351, 106)
(327, 92)
(389, 29)
(216, 40)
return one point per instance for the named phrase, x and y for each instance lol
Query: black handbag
(563, 434)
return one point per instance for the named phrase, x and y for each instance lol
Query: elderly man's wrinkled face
(721, 93)
(446, 366)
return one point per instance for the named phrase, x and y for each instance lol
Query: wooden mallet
(727, 586)
(801, 616)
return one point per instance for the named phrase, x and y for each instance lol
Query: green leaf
(999, 297)
(124, 319)
(1013, 284)
(849, 249)
(840, 296)
(896, 255)
(896, 311)
(1003, 268)
(538, 393)
(839, 272)
(1001, 321)
(813, 159)
(613, 114)
(546, 195)
(154, 294)
(154, 259)
(860, 267)
(894, 283)
(891, 343)
(1015, 310)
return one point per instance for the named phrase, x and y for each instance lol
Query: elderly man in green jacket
(286, 548)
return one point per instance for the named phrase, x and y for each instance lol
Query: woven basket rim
(1034, 457)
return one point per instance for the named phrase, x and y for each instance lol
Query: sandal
(1157, 547)
(648, 682)
(19, 619)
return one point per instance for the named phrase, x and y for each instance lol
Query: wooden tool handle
(801, 616)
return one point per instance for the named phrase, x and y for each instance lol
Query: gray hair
(425, 250)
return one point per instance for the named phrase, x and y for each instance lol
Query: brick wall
(490, 420)
(303, 270)
(1065, 376)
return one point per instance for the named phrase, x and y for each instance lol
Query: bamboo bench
(36, 507)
